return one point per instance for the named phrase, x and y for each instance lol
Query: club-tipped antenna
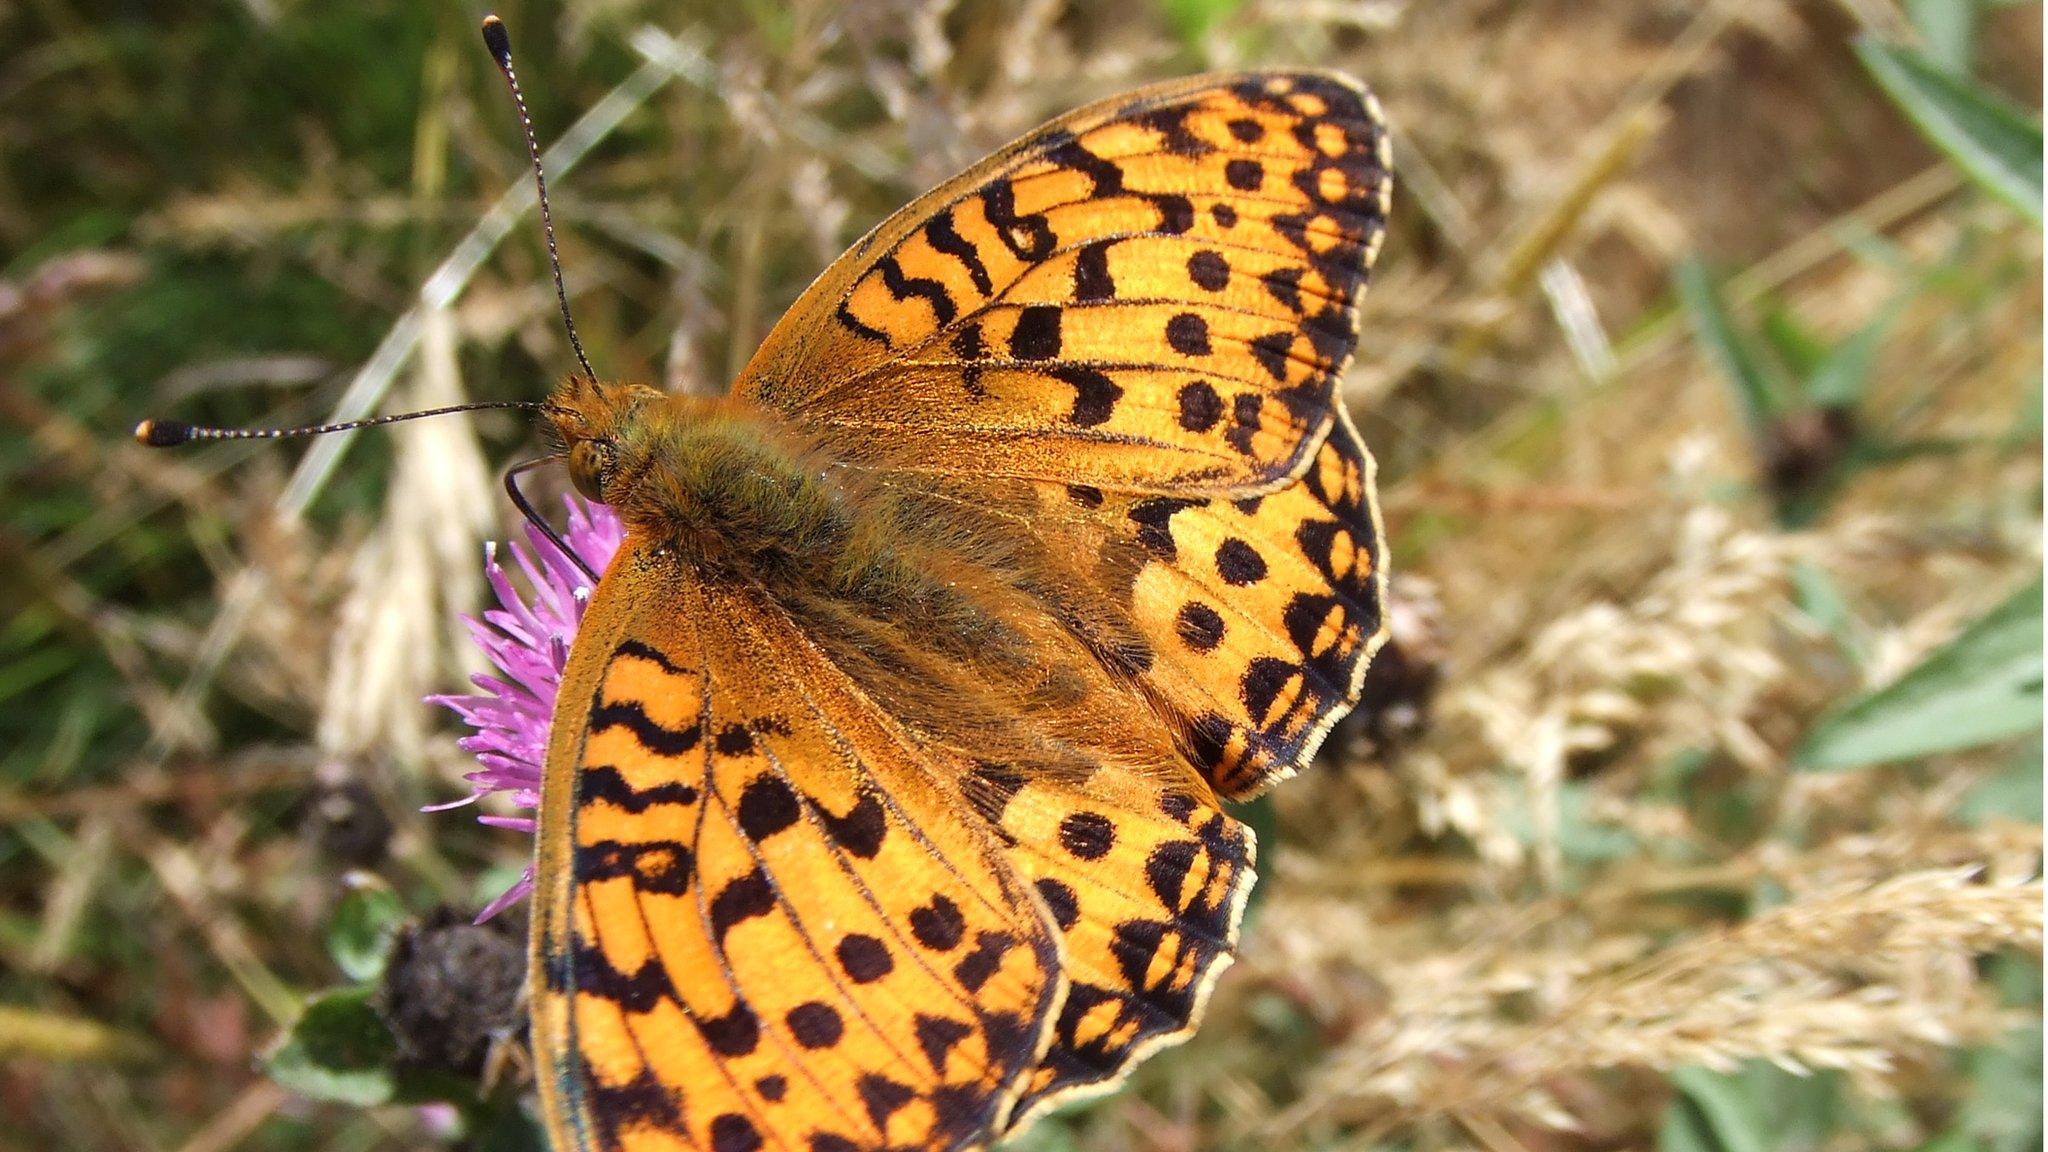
(172, 433)
(500, 43)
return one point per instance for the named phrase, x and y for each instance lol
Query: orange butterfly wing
(1258, 615)
(1156, 293)
(1145, 878)
(762, 920)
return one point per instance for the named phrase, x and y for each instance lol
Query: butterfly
(883, 798)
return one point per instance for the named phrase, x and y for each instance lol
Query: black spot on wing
(1087, 835)
(733, 1132)
(1095, 394)
(883, 1097)
(815, 1024)
(1188, 334)
(1200, 407)
(734, 740)
(861, 831)
(1092, 280)
(736, 1033)
(1037, 335)
(1060, 901)
(864, 958)
(1239, 563)
(766, 807)
(937, 1035)
(1209, 270)
(742, 899)
(938, 925)
(1199, 626)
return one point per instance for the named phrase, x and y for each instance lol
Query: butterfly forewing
(764, 923)
(1156, 294)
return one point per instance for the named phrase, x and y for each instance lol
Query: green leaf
(364, 927)
(1760, 1108)
(1717, 335)
(1983, 686)
(508, 1128)
(2014, 793)
(1997, 144)
(338, 1050)
(1712, 1114)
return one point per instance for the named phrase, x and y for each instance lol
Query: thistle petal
(527, 638)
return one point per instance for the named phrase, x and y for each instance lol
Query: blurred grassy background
(1707, 393)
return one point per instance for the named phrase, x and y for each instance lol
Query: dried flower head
(527, 641)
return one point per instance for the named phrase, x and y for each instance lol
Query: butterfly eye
(590, 465)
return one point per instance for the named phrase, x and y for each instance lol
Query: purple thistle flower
(528, 643)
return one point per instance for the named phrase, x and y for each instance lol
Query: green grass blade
(1949, 29)
(1984, 685)
(1998, 145)
(1840, 378)
(1796, 346)
(1716, 332)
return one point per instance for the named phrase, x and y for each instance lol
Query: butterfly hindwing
(1145, 877)
(763, 921)
(1156, 293)
(1257, 616)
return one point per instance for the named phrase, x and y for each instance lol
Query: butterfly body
(883, 796)
(931, 598)
(726, 484)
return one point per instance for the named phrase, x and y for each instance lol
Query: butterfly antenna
(500, 43)
(172, 433)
